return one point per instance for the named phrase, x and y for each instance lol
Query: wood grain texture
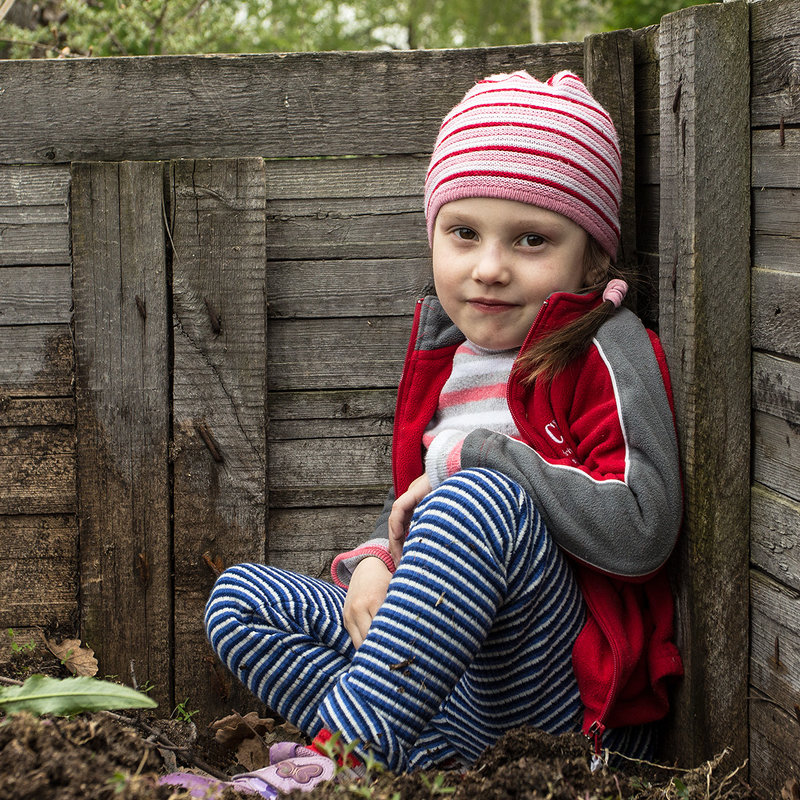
(774, 522)
(774, 745)
(608, 67)
(228, 106)
(775, 34)
(34, 223)
(309, 538)
(703, 323)
(122, 382)
(35, 295)
(776, 454)
(36, 361)
(217, 222)
(776, 311)
(325, 288)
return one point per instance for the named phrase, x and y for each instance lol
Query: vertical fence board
(123, 418)
(608, 72)
(704, 324)
(217, 216)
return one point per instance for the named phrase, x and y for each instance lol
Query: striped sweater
(474, 396)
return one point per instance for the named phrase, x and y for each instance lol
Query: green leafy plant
(67, 696)
(16, 647)
(182, 713)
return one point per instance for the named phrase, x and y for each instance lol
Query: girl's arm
(619, 509)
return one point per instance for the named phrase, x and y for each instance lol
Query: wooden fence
(207, 267)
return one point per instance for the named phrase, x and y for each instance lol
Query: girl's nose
(491, 266)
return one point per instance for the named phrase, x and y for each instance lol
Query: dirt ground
(119, 756)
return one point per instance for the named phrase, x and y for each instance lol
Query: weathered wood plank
(609, 75)
(776, 386)
(37, 592)
(34, 224)
(776, 311)
(122, 380)
(346, 228)
(333, 414)
(324, 496)
(37, 411)
(345, 353)
(647, 159)
(356, 178)
(35, 440)
(329, 463)
(217, 219)
(703, 322)
(35, 295)
(776, 211)
(774, 522)
(306, 540)
(775, 34)
(40, 483)
(352, 288)
(776, 158)
(273, 105)
(780, 253)
(775, 640)
(776, 243)
(774, 746)
(776, 454)
(34, 235)
(34, 185)
(35, 361)
(647, 221)
(646, 80)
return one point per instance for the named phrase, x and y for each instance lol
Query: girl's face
(496, 261)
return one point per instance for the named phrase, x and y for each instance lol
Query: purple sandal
(299, 772)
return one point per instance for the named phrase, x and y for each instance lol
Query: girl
(516, 578)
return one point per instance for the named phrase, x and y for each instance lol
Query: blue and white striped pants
(474, 638)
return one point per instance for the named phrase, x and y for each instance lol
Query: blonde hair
(550, 355)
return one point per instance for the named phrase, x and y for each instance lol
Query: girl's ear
(596, 264)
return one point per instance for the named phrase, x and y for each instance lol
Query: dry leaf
(234, 728)
(252, 753)
(791, 790)
(78, 660)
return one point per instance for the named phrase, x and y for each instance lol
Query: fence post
(608, 70)
(704, 314)
(217, 233)
(122, 387)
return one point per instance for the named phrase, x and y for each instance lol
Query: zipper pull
(595, 735)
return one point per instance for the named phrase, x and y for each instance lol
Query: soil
(119, 756)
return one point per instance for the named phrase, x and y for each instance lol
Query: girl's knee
(490, 490)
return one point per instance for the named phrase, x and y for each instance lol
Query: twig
(184, 752)
(160, 739)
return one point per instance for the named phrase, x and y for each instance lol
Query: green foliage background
(52, 28)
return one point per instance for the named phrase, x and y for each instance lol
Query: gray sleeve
(625, 527)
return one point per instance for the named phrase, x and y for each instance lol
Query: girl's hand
(365, 595)
(400, 516)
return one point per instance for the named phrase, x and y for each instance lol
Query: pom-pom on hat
(548, 144)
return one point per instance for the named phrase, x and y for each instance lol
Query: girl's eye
(465, 233)
(532, 240)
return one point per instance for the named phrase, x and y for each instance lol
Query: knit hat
(548, 144)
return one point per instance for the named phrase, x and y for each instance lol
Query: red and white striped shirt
(474, 396)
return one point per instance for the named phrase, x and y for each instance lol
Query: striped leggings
(474, 638)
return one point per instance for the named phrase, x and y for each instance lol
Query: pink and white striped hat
(548, 144)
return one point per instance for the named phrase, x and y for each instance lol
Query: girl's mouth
(488, 305)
